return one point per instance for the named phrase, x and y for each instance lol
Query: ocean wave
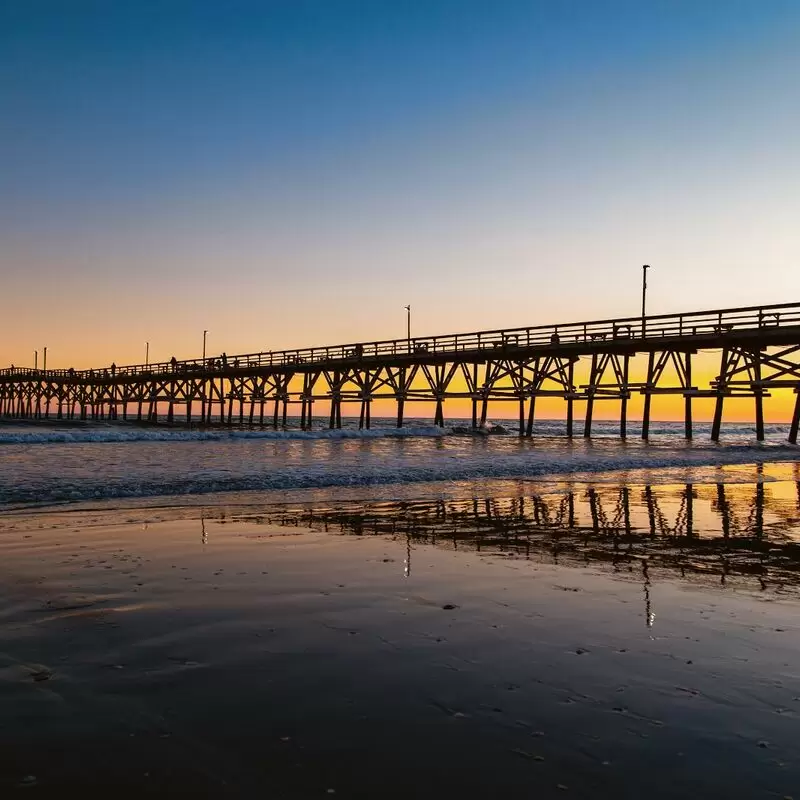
(122, 432)
(388, 470)
(116, 435)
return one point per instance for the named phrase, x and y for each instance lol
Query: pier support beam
(795, 417)
(474, 396)
(758, 396)
(438, 417)
(304, 403)
(647, 396)
(332, 416)
(571, 399)
(716, 425)
(531, 410)
(587, 423)
(687, 398)
(623, 409)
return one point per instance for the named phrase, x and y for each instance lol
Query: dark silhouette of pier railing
(769, 322)
(758, 348)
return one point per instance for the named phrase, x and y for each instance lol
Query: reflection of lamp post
(408, 320)
(649, 616)
(204, 345)
(645, 267)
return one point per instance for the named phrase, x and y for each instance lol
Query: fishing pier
(758, 351)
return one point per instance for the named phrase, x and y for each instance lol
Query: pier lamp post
(147, 354)
(408, 321)
(44, 363)
(204, 345)
(36, 359)
(645, 267)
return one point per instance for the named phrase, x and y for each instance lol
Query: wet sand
(181, 652)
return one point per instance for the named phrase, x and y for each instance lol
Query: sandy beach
(275, 652)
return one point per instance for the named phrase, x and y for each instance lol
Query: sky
(294, 173)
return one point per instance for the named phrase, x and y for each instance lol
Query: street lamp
(408, 320)
(36, 359)
(204, 345)
(146, 353)
(645, 267)
(44, 365)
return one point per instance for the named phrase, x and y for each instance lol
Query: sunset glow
(297, 174)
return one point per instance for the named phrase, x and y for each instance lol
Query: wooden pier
(758, 349)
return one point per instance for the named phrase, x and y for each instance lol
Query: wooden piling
(570, 399)
(687, 399)
(531, 411)
(623, 409)
(587, 423)
(716, 425)
(795, 417)
(648, 396)
(474, 389)
(758, 394)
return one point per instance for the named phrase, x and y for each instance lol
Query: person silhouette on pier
(113, 369)
(174, 363)
(224, 361)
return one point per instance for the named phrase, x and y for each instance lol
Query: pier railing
(704, 324)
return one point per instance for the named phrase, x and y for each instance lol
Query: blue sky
(294, 173)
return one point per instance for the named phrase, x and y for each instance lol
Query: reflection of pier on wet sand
(742, 534)
(231, 651)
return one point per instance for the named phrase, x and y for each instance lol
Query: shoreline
(742, 520)
(731, 472)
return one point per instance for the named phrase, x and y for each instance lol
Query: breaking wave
(116, 435)
(389, 468)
